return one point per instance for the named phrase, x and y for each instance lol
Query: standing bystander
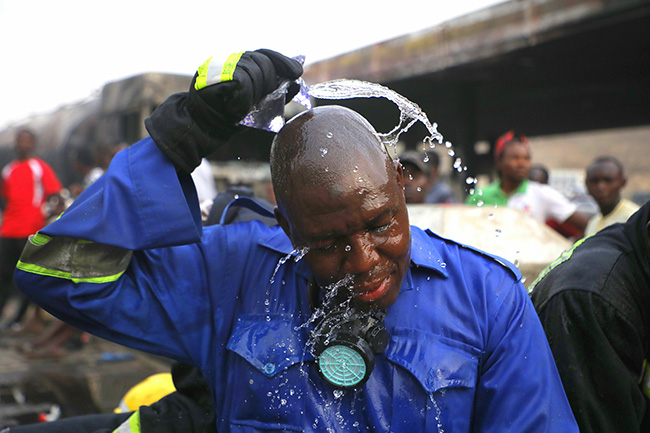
(605, 179)
(422, 183)
(539, 174)
(27, 182)
(515, 190)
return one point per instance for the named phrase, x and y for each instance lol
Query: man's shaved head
(340, 195)
(329, 147)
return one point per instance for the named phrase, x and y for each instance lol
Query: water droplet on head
(355, 169)
(426, 157)
(323, 151)
(348, 248)
(330, 135)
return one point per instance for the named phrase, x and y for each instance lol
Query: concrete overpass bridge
(543, 67)
(537, 66)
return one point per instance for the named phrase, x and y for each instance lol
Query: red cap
(507, 138)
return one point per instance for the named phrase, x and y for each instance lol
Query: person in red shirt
(26, 184)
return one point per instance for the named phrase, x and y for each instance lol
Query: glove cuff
(184, 132)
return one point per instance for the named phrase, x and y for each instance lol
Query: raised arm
(124, 261)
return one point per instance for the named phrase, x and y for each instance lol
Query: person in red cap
(514, 189)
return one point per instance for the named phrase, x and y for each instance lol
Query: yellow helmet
(146, 392)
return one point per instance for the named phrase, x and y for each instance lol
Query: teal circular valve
(342, 366)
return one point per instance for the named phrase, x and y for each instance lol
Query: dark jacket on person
(594, 304)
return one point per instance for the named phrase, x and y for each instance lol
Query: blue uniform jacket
(466, 353)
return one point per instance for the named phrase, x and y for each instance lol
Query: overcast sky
(57, 52)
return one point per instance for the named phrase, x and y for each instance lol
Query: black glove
(189, 126)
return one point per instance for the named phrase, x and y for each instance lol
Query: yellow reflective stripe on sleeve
(77, 260)
(645, 379)
(39, 270)
(211, 73)
(40, 239)
(131, 425)
(134, 422)
(566, 255)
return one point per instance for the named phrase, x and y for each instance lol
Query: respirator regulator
(345, 342)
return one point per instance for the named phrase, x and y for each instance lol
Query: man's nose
(360, 254)
(601, 185)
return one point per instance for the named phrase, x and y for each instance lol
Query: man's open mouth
(374, 291)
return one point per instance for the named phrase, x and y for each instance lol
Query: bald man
(342, 317)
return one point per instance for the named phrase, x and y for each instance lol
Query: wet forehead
(357, 201)
(606, 169)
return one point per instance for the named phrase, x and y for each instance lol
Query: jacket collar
(424, 252)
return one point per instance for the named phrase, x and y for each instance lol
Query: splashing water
(330, 294)
(438, 413)
(410, 112)
(297, 255)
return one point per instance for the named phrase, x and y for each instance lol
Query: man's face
(604, 183)
(514, 163)
(24, 144)
(362, 232)
(415, 184)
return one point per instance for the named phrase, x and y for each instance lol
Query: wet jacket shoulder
(469, 302)
(594, 303)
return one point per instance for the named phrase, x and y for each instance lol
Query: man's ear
(399, 174)
(283, 223)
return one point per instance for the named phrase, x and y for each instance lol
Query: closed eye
(380, 229)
